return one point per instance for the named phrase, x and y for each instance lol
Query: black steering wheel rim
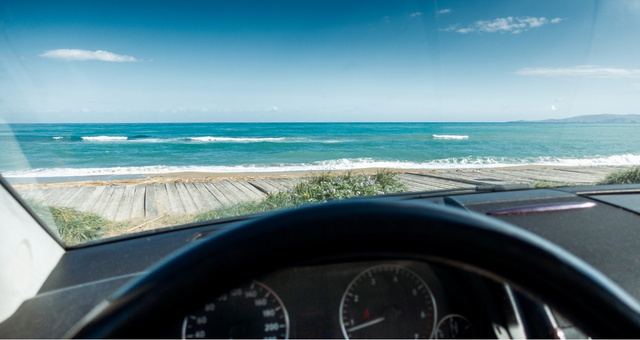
(361, 230)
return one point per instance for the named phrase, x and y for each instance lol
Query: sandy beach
(192, 177)
(159, 200)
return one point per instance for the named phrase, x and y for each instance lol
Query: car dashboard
(391, 297)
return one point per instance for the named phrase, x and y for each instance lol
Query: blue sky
(161, 61)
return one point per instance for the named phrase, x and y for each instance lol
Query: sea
(48, 151)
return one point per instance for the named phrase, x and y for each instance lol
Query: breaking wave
(336, 164)
(450, 137)
(104, 138)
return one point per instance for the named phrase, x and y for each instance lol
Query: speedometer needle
(366, 324)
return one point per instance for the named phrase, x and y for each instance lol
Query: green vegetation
(628, 176)
(319, 189)
(73, 227)
(551, 184)
(76, 227)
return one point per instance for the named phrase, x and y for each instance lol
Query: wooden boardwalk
(148, 201)
(119, 203)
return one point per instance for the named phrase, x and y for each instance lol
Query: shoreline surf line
(191, 177)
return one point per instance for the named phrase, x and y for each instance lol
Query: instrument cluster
(381, 299)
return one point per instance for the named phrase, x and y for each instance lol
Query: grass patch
(319, 189)
(628, 176)
(551, 184)
(73, 227)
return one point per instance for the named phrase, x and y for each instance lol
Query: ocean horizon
(135, 149)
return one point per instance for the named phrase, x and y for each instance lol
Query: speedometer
(250, 311)
(387, 301)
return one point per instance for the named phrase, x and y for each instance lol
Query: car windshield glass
(128, 116)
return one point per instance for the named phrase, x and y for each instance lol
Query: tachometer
(387, 301)
(250, 311)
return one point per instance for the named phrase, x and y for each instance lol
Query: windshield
(123, 117)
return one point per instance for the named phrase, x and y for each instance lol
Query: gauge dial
(250, 311)
(454, 326)
(387, 301)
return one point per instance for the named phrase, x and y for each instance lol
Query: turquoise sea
(71, 150)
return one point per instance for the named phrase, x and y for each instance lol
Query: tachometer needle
(366, 324)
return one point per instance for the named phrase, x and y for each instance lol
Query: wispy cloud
(444, 11)
(583, 71)
(513, 25)
(83, 55)
(415, 14)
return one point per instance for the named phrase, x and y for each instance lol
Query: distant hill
(603, 118)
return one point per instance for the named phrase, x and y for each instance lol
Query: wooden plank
(256, 184)
(459, 181)
(126, 203)
(189, 205)
(263, 186)
(230, 195)
(250, 190)
(111, 209)
(150, 202)
(67, 198)
(544, 176)
(34, 194)
(199, 201)
(239, 192)
(137, 210)
(63, 196)
(414, 185)
(92, 199)
(162, 199)
(51, 196)
(83, 194)
(437, 183)
(426, 181)
(511, 176)
(175, 202)
(218, 195)
(277, 183)
(102, 201)
(286, 182)
(208, 197)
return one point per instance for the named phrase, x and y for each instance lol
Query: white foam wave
(57, 137)
(336, 164)
(103, 138)
(450, 137)
(235, 139)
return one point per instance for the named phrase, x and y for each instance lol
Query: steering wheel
(359, 230)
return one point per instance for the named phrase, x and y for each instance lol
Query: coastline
(193, 177)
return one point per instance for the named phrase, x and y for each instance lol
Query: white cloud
(444, 11)
(464, 30)
(415, 14)
(512, 25)
(83, 55)
(583, 71)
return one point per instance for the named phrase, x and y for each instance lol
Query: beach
(146, 176)
(140, 200)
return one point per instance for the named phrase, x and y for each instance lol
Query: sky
(306, 61)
